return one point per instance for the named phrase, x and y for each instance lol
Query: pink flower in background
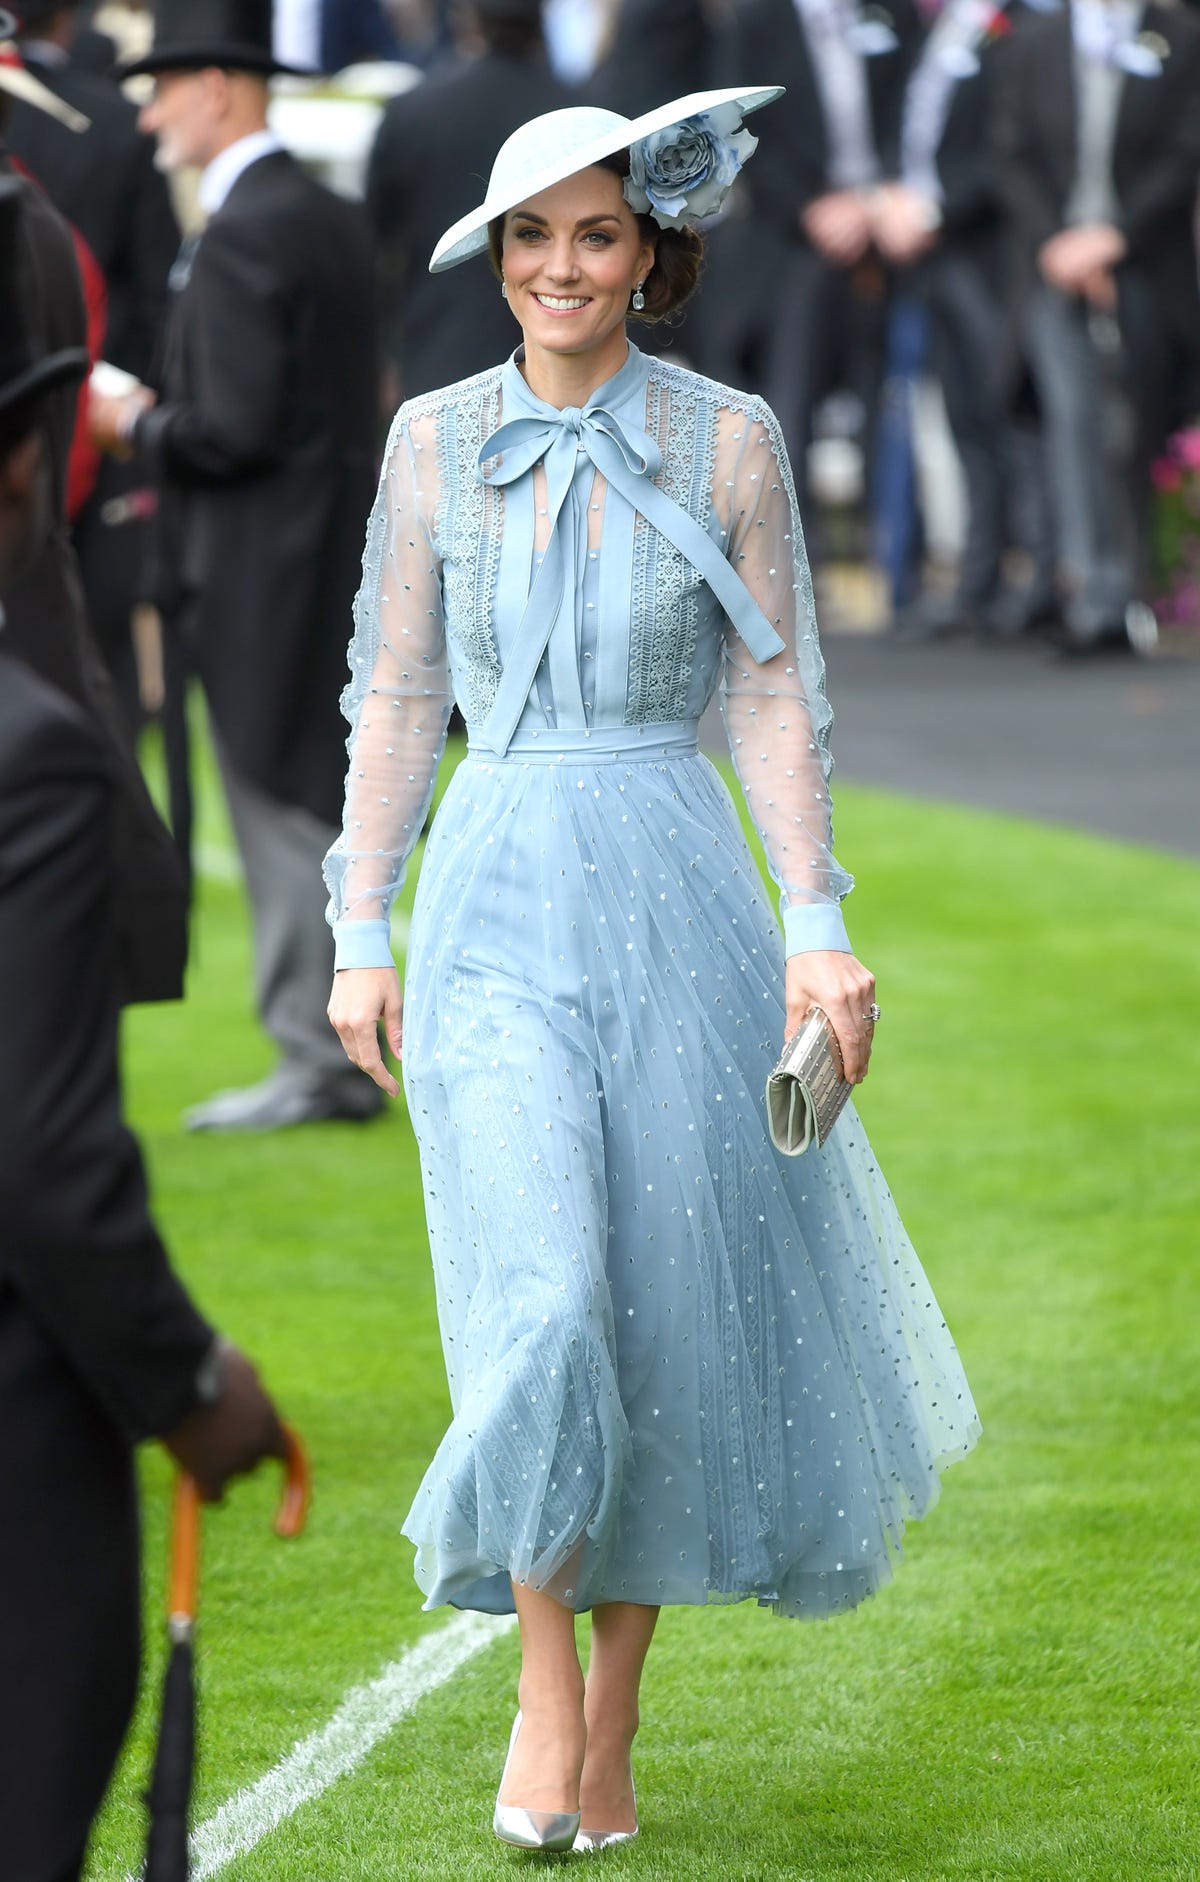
(1176, 531)
(1166, 473)
(1186, 448)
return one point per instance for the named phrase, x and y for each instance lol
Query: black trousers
(966, 322)
(69, 1626)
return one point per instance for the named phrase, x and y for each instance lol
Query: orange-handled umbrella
(171, 1783)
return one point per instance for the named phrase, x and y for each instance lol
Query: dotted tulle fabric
(682, 1368)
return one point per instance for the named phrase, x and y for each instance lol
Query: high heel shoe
(532, 1829)
(588, 1841)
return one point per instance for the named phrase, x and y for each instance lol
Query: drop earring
(503, 288)
(639, 299)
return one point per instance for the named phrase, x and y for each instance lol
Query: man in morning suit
(946, 237)
(432, 146)
(807, 272)
(100, 1345)
(1100, 131)
(264, 445)
(47, 617)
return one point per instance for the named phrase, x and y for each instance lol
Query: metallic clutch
(807, 1089)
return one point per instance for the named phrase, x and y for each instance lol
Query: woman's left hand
(845, 989)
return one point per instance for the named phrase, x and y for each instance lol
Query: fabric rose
(683, 173)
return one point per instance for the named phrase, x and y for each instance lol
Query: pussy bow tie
(628, 460)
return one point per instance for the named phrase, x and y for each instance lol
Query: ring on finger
(872, 1013)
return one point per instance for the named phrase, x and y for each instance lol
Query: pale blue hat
(560, 143)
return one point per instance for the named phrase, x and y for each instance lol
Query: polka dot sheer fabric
(682, 1368)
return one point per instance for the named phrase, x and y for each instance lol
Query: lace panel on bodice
(667, 591)
(468, 530)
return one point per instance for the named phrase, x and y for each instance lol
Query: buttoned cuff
(810, 927)
(362, 944)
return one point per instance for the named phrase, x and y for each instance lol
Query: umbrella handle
(185, 1555)
(292, 1513)
(185, 1527)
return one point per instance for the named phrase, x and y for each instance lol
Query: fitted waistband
(601, 745)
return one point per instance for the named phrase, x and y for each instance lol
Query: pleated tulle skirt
(682, 1368)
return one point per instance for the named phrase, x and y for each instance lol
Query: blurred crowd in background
(963, 267)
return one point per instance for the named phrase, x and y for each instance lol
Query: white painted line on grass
(366, 1715)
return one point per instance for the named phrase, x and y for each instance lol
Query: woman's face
(571, 258)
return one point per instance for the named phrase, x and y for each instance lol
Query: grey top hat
(23, 372)
(190, 34)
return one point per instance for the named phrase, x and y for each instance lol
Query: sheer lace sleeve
(777, 718)
(397, 700)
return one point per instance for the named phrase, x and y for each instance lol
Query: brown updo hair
(678, 256)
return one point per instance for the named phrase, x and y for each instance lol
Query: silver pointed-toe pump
(532, 1829)
(588, 1841)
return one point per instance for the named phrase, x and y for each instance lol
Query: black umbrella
(171, 1784)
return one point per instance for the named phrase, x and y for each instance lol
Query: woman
(682, 1369)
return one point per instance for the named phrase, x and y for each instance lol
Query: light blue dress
(682, 1367)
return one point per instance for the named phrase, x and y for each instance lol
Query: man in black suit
(433, 145)
(264, 445)
(660, 49)
(945, 238)
(104, 181)
(47, 618)
(1100, 129)
(100, 1345)
(806, 261)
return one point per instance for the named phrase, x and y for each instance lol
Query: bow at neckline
(629, 460)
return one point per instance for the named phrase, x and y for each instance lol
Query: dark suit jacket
(1156, 157)
(99, 1343)
(429, 166)
(76, 1241)
(764, 43)
(48, 628)
(265, 440)
(104, 181)
(661, 49)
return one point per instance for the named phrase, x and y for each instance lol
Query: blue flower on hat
(684, 173)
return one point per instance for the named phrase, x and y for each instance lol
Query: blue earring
(639, 299)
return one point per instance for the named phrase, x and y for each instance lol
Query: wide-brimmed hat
(18, 83)
(560, 143)
(192, 34)
(23, 372)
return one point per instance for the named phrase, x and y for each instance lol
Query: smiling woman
(683, 1369)
(571, 261)
(665, 268)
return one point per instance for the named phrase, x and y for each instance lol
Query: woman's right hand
(361, 998)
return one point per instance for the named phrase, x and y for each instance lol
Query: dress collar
(628, 383)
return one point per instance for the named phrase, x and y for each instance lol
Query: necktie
(181, 268)
(628, 460)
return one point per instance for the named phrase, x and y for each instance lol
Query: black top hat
(190, 34)
(22, 372)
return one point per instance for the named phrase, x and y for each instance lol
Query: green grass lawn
(1022, 1701)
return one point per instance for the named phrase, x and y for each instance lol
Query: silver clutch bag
(807, 1089)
